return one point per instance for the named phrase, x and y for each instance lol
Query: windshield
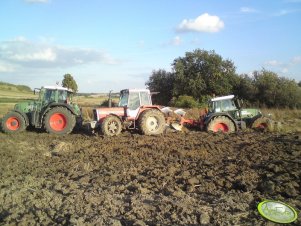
(123, 100)
(222, 105)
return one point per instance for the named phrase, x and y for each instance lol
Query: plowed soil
(192, 178)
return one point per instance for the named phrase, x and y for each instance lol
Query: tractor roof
(223, 98)
(57, 88)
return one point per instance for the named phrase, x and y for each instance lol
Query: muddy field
(192, 178)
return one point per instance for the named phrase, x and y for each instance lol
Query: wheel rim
(152, 124)
(58, 122)
(13, 123)
(113, 127)
(220, 127)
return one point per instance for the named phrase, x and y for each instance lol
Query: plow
(55, 112)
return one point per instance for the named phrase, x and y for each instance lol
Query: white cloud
(203, 23)
(4, 67)
(176, 41)
(22, 52)
(296, 60)
(44, 54)
(283, 67)
(284, 70)
(273, 63)
(248, 10)
(285, 12)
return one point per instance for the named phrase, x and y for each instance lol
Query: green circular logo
(276, 211)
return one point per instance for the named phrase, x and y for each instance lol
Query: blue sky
(115, 44)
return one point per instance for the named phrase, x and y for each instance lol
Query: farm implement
(56, 113)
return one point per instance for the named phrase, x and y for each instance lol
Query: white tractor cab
(220, 104)
(134, 111)
(133, 99)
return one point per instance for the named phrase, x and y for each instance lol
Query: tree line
(201, 74)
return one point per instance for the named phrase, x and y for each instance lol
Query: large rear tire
(264, 124)
(221, 124)
(13, 122)
(59, 121)
(151, 122)
(111, 126)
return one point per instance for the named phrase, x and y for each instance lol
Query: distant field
(10, 95)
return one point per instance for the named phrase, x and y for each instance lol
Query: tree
(245, 88)
(69, 82)
(162, 82)
(202, 73)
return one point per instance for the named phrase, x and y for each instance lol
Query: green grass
(11, 94)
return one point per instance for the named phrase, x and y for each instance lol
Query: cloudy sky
(115, 44)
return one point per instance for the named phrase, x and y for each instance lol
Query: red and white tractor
(134, 111)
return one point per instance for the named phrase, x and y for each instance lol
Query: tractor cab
(133, 99)
(48, 94)
(222, 104)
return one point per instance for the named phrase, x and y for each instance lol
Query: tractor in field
(225, 114)
(134, 111)
(53, 111)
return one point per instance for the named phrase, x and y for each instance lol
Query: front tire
(152, 122)
(221, 124)
(111, 126)
(263, 123)
(13, 122)
(59, 121)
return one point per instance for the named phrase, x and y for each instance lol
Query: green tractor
(53, 111)
(227, 115)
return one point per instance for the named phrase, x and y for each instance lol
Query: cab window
(62, 95)
(145, 100)
(134, 101)
(49, 95)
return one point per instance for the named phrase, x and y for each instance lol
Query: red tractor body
(134, 111)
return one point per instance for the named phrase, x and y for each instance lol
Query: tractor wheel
(59, 120)
(111, 126)
(13, 122)
(152, 122)
(221, 124)
(264, 124)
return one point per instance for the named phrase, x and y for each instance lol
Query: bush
(185, 102)
(105, 103)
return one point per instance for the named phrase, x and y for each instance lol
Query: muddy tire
(151, 122)
(221, 124)
(264, 124)
(111, 126)
(13, 122)
(59, 121)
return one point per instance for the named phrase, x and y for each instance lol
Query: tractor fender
(52, 105)
(23, 115)
(211, 116)
(118, 116)
(146, 107)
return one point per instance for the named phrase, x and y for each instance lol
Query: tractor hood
(25, 106)
(250, 112)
